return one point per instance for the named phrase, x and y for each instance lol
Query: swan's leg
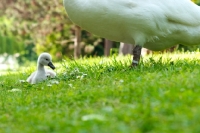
(136, 55)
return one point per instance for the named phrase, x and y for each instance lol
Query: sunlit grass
(105, 95)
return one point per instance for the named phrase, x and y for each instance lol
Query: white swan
(41, 74)
(153, 24)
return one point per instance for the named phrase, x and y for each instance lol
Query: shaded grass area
(104, 95)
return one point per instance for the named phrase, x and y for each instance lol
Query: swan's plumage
(153, 24)
(41, 74)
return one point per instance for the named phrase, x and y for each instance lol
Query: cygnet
(41, 74)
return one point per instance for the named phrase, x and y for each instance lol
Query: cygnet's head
(45, 60)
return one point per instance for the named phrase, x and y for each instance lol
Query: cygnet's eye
(46, 59)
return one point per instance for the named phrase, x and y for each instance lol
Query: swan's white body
(153, 24)
(42, 73)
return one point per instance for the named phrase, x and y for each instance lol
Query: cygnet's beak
(51, 65)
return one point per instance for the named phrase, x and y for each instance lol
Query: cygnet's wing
(50, 73)
(30, 78)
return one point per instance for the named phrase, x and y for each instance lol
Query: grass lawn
(103, 95)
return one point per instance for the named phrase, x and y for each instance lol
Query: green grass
(104, 95)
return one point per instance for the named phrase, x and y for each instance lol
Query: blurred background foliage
(196, 1)
(29, 27)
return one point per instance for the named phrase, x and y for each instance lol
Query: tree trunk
(77, 40)
(107, 46)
